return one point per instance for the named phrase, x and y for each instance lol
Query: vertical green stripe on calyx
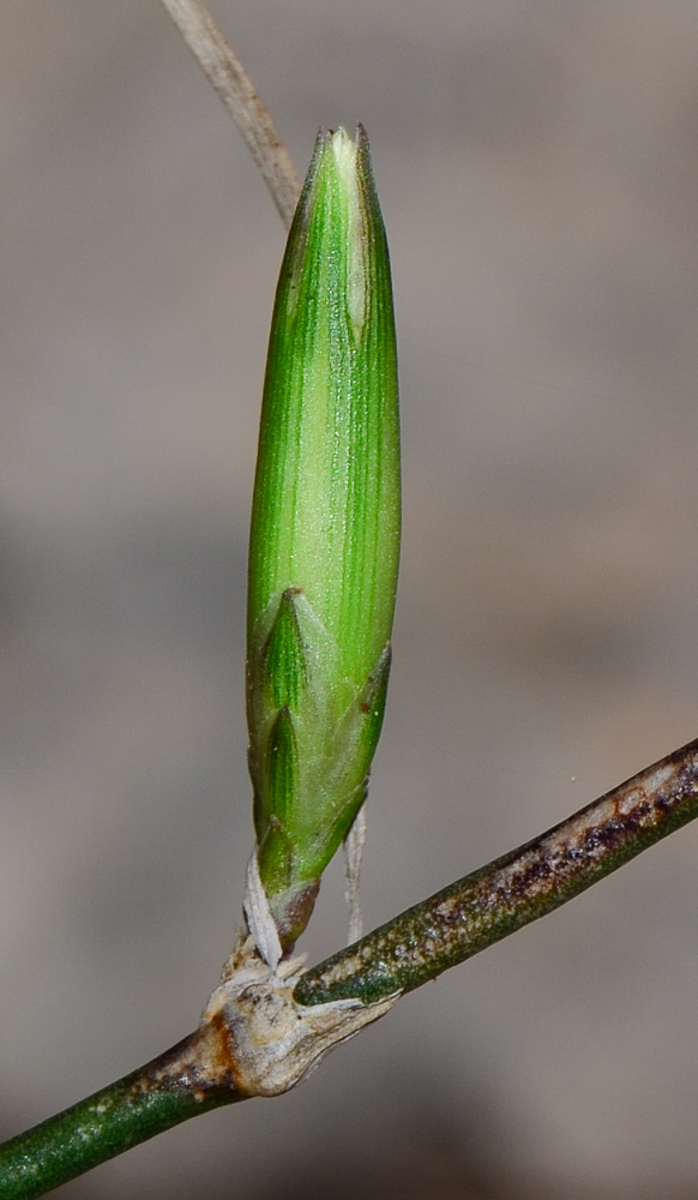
(325, 524)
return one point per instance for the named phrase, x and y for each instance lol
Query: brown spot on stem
(202, 1065)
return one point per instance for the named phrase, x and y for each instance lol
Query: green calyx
(325, 532)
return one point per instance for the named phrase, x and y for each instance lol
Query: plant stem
(510, 892)
(148, 1101)
(230, 80)
(470, 915)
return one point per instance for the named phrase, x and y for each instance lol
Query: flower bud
(324, 542)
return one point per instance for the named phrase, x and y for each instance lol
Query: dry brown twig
(230, 80)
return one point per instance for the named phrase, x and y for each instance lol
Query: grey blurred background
(538, 168)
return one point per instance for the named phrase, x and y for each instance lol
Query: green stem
(132, 1110)
(522, 886)
(199, 1073)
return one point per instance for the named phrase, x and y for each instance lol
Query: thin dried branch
(230, 80)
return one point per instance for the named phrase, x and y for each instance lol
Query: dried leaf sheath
(325, 532)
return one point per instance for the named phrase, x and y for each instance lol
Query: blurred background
(538, 168)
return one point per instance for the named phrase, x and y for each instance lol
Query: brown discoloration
(599, 832)
(202, 1064)
(292, 913)
(573, 850)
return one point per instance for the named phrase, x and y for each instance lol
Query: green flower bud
(325, 532)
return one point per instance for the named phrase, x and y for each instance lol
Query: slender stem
(525, 884)
(230, 80)
(150, 1100)
(200, 1073)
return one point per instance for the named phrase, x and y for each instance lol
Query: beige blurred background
(538, 168)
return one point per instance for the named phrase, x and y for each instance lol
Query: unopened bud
(325, 532)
